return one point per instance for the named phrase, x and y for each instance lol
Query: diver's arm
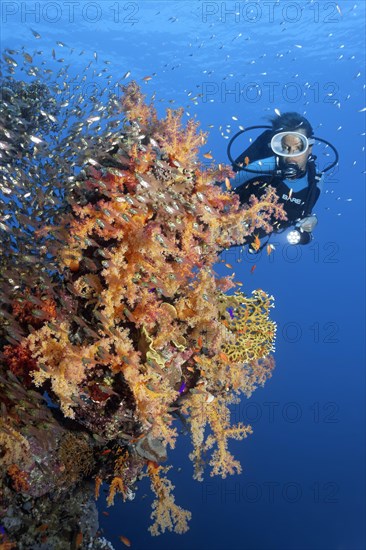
(310, 221)
(308, 224)
(262, 167)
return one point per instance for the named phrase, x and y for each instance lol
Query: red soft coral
(19, 360)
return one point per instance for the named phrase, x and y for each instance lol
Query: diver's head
(292, 143)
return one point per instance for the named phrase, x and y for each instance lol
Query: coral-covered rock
(129, 330)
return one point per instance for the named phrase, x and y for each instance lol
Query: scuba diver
(282, 157)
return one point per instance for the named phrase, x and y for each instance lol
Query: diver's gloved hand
(308, 224)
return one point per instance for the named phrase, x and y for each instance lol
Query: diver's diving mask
(290, 144)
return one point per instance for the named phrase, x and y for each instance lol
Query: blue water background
(303, 481)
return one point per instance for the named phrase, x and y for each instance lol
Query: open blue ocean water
(232, 64)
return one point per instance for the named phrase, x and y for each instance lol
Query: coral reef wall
(114, 325)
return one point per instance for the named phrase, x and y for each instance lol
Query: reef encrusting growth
(129, 329)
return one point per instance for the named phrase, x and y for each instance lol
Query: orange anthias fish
(270, 249)
(125, 540)
(228, 184)
(256, 243)
(246, 161)
(253, 268)
(79, 540)
(207, 155)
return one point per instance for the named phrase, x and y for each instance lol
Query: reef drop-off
(114, 325)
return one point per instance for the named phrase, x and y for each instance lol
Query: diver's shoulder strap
(258, 150)
(314, 191)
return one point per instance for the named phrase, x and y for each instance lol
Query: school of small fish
(49, 127)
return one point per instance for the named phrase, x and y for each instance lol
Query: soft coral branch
(166, 514)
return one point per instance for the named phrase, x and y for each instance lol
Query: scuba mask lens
(290, 144)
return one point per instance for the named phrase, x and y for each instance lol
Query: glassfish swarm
(123, 329)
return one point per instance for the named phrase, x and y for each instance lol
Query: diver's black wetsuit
(297, 205)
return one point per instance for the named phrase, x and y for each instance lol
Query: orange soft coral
(181, 144)
(141, 327)
(166, 514)
(19, 479)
